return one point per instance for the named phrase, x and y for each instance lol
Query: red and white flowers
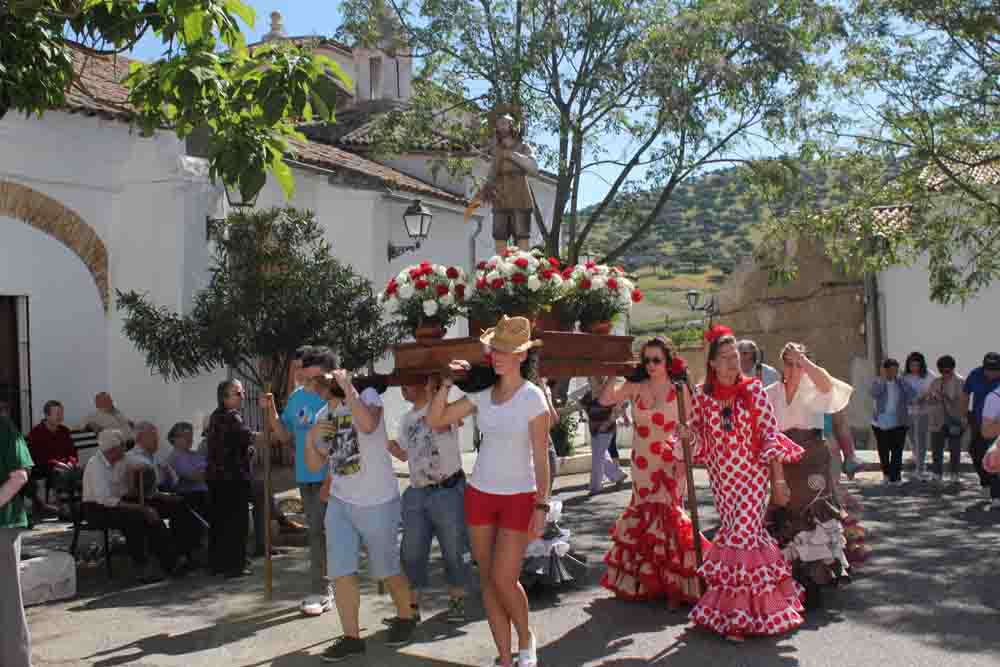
(599, 293)
(516, 282)
(426, 292)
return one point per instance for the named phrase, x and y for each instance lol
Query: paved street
(930, 595)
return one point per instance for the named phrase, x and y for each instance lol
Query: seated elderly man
(56, 463)
(105, 503)
(158, 479)
(107, 416)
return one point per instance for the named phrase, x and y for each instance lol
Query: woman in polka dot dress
(652, 554)
(750, 590)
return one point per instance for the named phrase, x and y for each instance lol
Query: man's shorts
(348, 525)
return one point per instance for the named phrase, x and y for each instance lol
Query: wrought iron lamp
(417, 220)
(710, 307)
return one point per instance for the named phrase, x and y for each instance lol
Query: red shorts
(511, 512)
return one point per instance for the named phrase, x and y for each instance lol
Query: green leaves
(206, 78)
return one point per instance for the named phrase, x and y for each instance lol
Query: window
(374, 78)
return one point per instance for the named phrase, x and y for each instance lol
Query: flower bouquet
(515, 283)
(427, 298)
(598, 294)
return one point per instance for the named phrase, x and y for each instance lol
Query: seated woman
(190, 468)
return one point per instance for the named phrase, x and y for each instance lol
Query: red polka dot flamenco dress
(652, 554)
(750, 590)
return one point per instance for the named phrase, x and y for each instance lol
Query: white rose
(441, 270)
(507, 268)
(403, 277)
(492, 275)
(598, 282)
(391, 303)
(430, 308)
(534, 284)
(405, 291)
(557, 279)
(447, 299)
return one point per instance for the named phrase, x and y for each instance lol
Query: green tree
(274, 286)
(652, 87)
(206, 77)
(916, 142)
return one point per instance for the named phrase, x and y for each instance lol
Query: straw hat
(511, 334)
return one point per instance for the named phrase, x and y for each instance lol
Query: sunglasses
(656, 361)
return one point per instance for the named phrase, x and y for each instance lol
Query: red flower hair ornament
(716, 332)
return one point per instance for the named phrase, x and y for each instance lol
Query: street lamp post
(710, 307)
(417, 219)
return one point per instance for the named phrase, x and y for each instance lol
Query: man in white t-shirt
(348, 438)
(991, 430)
(433, 505)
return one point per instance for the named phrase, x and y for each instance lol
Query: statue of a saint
(507, 187)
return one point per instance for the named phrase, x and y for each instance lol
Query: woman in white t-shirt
(919, 379)
(506, 500)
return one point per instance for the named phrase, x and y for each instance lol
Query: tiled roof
(981, 168)
(97, 90)
(356, 128)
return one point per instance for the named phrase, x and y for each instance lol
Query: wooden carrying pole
(268, 490)
(681, 384)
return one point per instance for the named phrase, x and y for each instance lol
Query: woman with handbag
(946, 420)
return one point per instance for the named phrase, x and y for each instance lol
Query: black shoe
(401, 631)
(343, 648)
(392, 619)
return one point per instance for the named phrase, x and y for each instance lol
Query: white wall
(912, 322)
(62, 298)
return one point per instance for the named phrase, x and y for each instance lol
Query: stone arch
(48, 215)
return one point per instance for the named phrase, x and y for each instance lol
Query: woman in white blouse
(809, 527)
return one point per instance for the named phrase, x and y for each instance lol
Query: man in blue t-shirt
(980, 383)
(295, 421)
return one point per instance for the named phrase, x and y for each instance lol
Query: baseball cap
(991, 362)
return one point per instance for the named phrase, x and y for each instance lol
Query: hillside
(708, 227)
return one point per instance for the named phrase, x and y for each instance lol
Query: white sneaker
(316, 605)
(528, 657)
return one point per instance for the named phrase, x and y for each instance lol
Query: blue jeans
(435, 512)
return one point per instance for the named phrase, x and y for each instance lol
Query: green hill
(708, 227)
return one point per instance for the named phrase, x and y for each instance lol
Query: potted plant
(515, 282)
(598, 294)
(427, 298)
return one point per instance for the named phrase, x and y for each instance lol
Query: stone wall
(822, 308)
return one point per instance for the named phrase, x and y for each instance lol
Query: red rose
(421, 284)
(585, 283)
(547, 274)
(590, 264)
(612, 284)
(519, 279)
(391, 287)
(427, 270)
(567, 273)
(480, 283)
(442, 290)
(553, 262)
(636, 295)
(460, 291)
(521, 262)
(452, 273)
(415, 273)
(497, 283)
(482, 265)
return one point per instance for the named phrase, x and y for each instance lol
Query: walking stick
(268, 571)
(680, 383)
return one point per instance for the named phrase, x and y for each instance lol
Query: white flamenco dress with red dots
(652, 554)
(750, 590)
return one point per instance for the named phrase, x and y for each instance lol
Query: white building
(88, 206)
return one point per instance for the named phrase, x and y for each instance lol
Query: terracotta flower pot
(429, 331)
(602, 328)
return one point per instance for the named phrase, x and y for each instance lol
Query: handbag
(952, 425)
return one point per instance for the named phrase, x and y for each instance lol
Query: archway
(49, 216)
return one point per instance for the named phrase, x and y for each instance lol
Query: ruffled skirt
(750, 592)
(652, 555)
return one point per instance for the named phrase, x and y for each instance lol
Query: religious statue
(507, 188)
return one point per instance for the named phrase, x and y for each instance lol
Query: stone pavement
(930, 595)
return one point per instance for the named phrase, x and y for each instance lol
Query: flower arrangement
(516, 282)
(599, 293)
(426, 294)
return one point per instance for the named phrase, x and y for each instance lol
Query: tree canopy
(274, 286)
(652, 92)
(917, 132)
(206, 77)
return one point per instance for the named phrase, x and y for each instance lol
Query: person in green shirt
(15, 464)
